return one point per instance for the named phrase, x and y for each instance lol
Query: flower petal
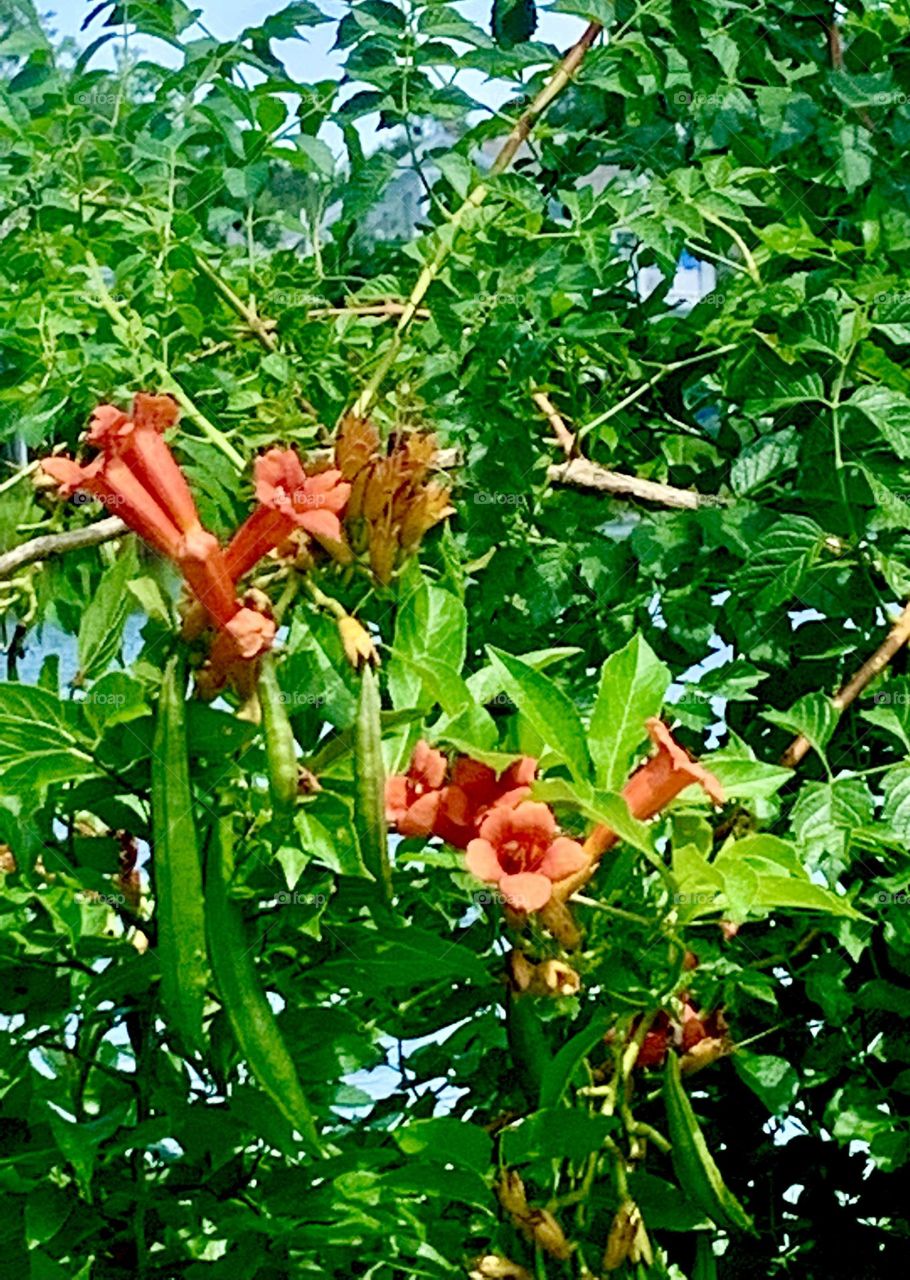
(530, 823)
(278, 474)
(563, 858)
(420, 816)
(427, 765)
(396, 797)
(252, 632)
(322, 524)
(527, 891)
(482, 861)
(68, 474)
(105, 426)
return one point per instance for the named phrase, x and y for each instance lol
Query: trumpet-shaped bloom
(289, 499)
(519, 850)
(412, 799)
(474, 790)
(669, 771)
(421, 802)
(659, 780)
(137, 478)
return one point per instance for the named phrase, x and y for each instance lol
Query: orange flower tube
(659, 780)
(137, 478)
(289, 499)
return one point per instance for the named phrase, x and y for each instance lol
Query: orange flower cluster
(393, 500)
(137, 478)
(511, 841)
(514, 842)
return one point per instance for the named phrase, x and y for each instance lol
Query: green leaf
(431, 624)
(101, 630)
(513, 21)
(558, 1133)
(325, 826)
(784, 891)
(814, 716)
(448, 1141)
(559, 1073)
(551, 712)
(601, 807)
(633, 683)
(42, 740)
(888, 412)
(772, 1079)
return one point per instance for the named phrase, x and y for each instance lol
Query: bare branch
(54, 544)
(579, 473)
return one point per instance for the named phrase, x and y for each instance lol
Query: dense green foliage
(217, 231)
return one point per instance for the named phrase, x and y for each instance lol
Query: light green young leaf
(550, 711)
(633, 683)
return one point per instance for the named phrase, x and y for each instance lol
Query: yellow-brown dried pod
(419, 450)
(356, 443)
(621, 1239)
(381, 486)
(354, 509)
(427, 508)
(511, 1192)
(548, 1234)
(492, 1266)
(383, 550)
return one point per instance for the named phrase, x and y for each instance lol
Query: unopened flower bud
(358, 647)
(494, 1267)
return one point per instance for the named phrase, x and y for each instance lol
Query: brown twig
(579, 473)
(387, 309)
(47, 545)
(259, 327)
(564, 437)
(896, 639)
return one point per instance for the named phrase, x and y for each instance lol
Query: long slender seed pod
(694, 1165)
(369, 774)
(242, 997)
(177, 867)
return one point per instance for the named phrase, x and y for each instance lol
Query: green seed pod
(695, 1168)
(280, 747)
(369, 776)
(177, 869)
(248, 1012)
